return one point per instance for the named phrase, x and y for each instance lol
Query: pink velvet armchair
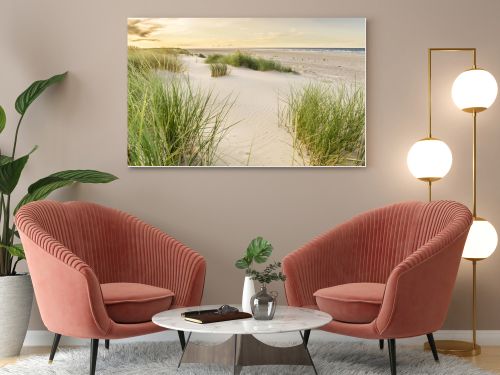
(99, 273)
(385, 274)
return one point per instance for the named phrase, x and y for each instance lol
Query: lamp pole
(474, 215)
(476, 349)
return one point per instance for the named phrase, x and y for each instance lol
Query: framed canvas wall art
(238, 92)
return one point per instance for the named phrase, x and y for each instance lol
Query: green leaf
(260, 258)
(29, 95)
(42, 193)
(43, 187)
(10, 172)
(242, 264)
(13, 233)
(87, 176)
(4, 159)
(15, 250)
(3, 119)
(259, 250)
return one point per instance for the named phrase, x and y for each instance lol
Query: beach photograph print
(246, 92)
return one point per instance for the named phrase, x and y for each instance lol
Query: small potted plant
(258, 251)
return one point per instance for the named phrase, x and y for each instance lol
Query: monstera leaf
(258, 250)
(43, 187)
(242, 263)
(29, 95)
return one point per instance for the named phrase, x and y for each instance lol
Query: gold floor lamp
(430, 159)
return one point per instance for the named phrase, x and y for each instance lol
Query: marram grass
(218, 70)
(327, 122)
(163, 59)
(241, 59)
(170, 122)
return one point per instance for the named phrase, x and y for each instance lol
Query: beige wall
(83, 124)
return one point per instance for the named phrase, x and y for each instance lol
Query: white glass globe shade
(429, 159)
(474, 90)
(481, 241)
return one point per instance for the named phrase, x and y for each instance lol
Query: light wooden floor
(488, 360)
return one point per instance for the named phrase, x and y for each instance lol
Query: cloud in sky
(142, 28)
(247, 32)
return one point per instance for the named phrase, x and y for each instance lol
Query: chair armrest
(165, 262)
(419, 289)
(66, 289)
(321, 263)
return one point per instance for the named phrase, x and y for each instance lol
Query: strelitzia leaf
(29, 95)
(43, 187)
(15, 250)
(77, 175)
(3, 119)
(10, 172)
(41, 193)
(4, 159)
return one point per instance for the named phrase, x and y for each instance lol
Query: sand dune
(256, 139)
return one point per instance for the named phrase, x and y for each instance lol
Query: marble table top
(286, 319)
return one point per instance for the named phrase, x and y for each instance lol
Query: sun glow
(246, 32)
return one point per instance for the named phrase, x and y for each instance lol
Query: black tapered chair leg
(392, 355)
(55, 344)
(307, 333)
(106, 344)
(182, 339)
(94, 346)
(432, 344)
(381, 344)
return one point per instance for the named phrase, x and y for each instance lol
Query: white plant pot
(16, 298)
(248, 292)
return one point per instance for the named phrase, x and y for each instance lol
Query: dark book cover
(212, 317)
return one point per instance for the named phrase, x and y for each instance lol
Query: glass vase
(263, 304)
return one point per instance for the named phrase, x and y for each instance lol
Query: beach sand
(327, 66)
(256, 139)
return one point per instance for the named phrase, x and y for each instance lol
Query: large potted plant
(16, 291)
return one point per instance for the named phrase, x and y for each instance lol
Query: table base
(246, 350)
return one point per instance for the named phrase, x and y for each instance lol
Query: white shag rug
(162, 357)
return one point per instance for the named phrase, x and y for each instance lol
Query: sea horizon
(310, 49)
(307, 49)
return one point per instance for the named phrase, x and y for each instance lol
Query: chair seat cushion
(135, 303)
(351, 303)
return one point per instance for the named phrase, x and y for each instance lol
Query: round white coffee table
(242, 348)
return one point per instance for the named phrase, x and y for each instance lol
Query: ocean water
(306, 49)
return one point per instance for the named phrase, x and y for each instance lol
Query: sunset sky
(246, 32)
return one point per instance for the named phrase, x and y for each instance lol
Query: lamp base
(456, 348)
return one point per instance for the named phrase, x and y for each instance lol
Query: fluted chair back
(74, 247)
(368, 247)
